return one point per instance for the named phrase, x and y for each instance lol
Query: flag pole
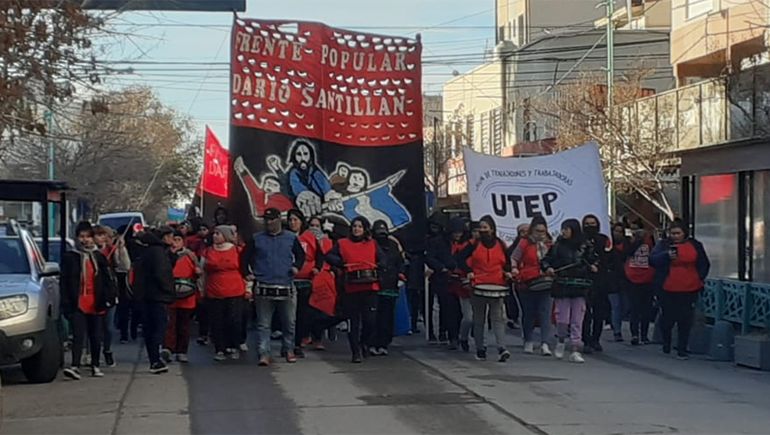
(203, 175)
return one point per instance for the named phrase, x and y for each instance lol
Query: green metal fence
(746, 304)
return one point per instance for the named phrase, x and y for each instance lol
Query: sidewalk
(623, 390)
(128, 400)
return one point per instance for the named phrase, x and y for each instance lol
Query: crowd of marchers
(299, 283)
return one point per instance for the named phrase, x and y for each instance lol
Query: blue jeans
(154, 327)
(536, 305)
(287, 310)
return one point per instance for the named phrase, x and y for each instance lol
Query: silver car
(29, 307)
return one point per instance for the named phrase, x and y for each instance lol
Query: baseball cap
(272, 213)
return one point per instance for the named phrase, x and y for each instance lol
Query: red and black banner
(328, 121)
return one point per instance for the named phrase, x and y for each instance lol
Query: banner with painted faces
(328, 121)
(513, 190)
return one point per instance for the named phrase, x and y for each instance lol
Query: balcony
(703, 114)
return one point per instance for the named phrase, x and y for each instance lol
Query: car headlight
(13, 306)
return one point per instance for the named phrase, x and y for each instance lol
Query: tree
(44, 54)
(133, 153)
(443, 142)
(632, 160)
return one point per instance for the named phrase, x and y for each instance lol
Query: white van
(117, 220)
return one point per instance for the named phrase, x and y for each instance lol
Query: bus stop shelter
(44, 192)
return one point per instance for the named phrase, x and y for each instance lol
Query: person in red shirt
(683, 266)
(87, 292)
(180, 312)
(304, 278)
(113, 247)
(534, 288)
(459, 289)
(640, 275)
(359, 256)
(488, 268)
(323, 299)
(225, 292)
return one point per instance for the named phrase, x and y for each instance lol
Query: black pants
(641, 296)
(154, 328)
(320, 322)
(448, 306)
(86, 326)
(597, 311)
(386, 314)
(678, 308)
(129, 316)
(248, 315)
(362, 309)
(416, 297)
(226, 317)
(304, 321)
(512, 306)
(204, 319)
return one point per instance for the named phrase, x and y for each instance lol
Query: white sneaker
(244, 347)
(374, 351)
(576, 357)
(234, 355)
(529, 347)
(545, 350)
(96, 372)
(559, 352)
(383, 351)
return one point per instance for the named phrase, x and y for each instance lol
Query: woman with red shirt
(225, 292)
(185, 269)
(360, 257)
(489, 271)
(304, 278)
(534, 288)
(640, 275)
(683, 265)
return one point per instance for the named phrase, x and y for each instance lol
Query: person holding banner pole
(570, 262)
(488, 269)
(534, 287)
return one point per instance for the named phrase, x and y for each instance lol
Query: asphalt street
(418, 389)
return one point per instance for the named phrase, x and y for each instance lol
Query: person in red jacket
(459, 287)
(225, 292)
(534, 288)
(180, 312)
(360, 257)
(323, 299)
(683, 266)
(640, 275)
(489, 271)
(304, 278)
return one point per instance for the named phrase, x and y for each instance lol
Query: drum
(491, 290)
(184, 288)
(544, 283)
(364, 276)
(273, 291)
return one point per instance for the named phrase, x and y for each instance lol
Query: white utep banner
(558, 186)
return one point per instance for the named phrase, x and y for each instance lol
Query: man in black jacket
(154, 290)
(597, 302)
(88, 290)
(439, 260)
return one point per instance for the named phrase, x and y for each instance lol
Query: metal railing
(746, 304)
(702, 114)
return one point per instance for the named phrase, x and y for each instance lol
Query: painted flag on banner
(216, 167)
(328, 121)
(561, 186)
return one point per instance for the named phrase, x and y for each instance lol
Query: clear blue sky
(448, 27)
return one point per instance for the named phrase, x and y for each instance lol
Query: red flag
(216, 167)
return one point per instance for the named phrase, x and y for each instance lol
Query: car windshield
(13, 257)
(117, 222)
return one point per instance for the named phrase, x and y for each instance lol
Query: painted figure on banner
(347, 193)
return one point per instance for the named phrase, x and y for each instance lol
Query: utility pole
(48, 116)
(610, 99)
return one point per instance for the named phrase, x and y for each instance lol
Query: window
(716, 222)
(696, 8)
(761, 227)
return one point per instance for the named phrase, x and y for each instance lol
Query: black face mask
(591, 231)
(485, 235)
